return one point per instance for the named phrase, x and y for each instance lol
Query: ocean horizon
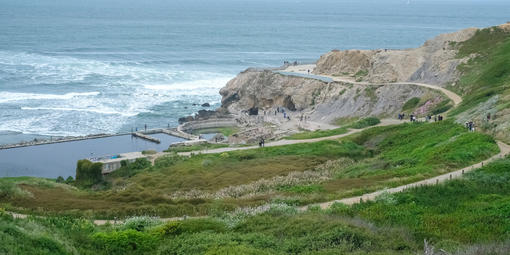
(73, 68)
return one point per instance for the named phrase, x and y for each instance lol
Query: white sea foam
(100, 111)
(118, 93)
(6, 97)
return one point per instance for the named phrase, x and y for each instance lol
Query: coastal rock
(206, 105)
(322, 101)
(435, 62)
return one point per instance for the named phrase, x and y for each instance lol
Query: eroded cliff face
(322, 101)
(435, 62)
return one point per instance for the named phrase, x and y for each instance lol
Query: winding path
(303, 71)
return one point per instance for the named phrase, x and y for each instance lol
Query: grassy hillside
(281, 230)
(473, 210)
(466, 216)
(485, 81)
(293, 174)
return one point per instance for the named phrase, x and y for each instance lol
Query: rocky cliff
(435, 62)
(322, 101)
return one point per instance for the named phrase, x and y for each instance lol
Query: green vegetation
(487, 74)
(197, 147)
(363, 123)
(442, 107)
(345, 121)
(149, 152)
(88, 173)
(128, 169)
(317, 134)
(465, 211)
(280, 230)
(366, 122)
(411, 103)
(370, 93)
(294, 174)
(360, 75)
(226, 131)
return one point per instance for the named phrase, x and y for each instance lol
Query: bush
(88, 173)
(9, 190)
(141, 223)
(411, 103)
(69, 180)
(130, 169)
(149, 152)
(125, 242)
(60, 179)
(366, 122)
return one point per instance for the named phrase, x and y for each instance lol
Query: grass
(279, 230)
(295, 174)
(317, 134)
(345, 121)
(470, 211)
(197, 147)
(401, 154)
(487, 74)
(411, 103)
(226, 131)
(364, 123)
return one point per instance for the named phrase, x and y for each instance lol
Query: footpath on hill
(504, 148)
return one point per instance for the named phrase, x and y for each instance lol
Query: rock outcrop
(435, 62)
(322, 101)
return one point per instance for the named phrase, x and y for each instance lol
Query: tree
(88, 173)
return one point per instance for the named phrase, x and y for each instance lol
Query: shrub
(149, 152)
(366, 122)
(125, 242)
(411, 103)
(235, 249)
(140, 163)
(60, 179)
(141, 223)
(88, 173)
(10, 190)
(69, 180)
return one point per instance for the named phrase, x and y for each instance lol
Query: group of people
(295, 63)
(285, 115)
(470, 125)
(412, 117)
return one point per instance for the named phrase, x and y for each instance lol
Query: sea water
(78, 67)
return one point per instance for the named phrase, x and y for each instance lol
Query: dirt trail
(303, 69)
(504, 150)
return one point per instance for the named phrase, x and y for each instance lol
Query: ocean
(78, 67)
